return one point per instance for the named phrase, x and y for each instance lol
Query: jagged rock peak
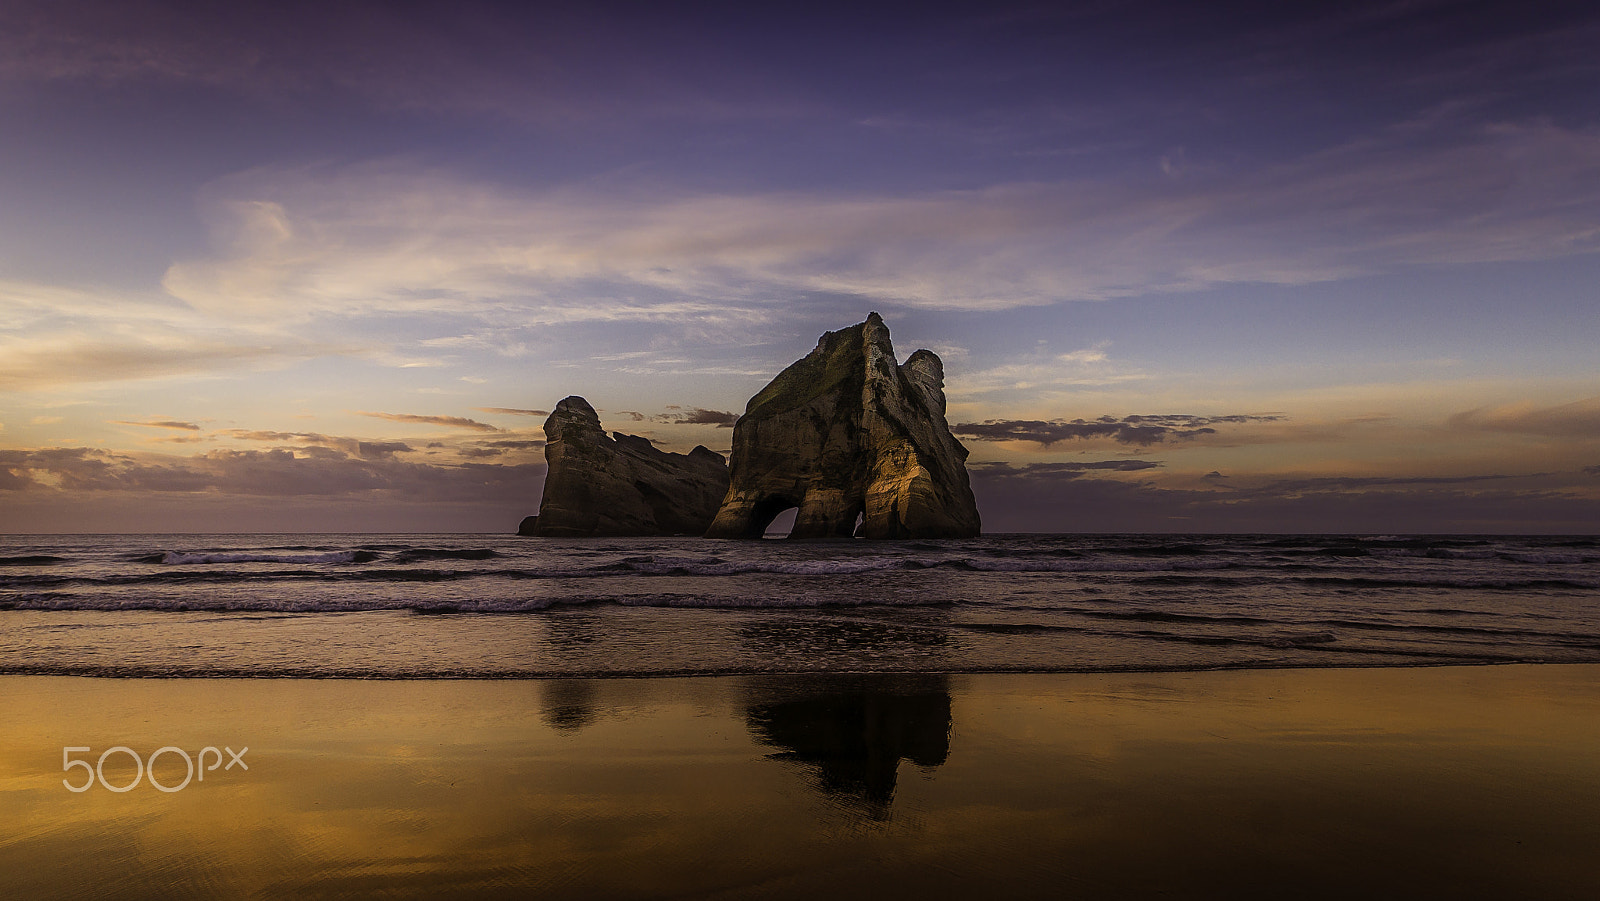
(622, 484)
(844, 433)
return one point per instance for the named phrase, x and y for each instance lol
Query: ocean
(498, 606)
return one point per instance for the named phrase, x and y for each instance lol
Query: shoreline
(736, 673)
(1468, 781)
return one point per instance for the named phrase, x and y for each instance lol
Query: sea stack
(621, 484)
(844, 433)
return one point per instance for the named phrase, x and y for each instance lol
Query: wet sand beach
(1460, 782)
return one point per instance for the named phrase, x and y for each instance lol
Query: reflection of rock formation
(846, 434)
(568, 703)
(621, 485)
(853, 731)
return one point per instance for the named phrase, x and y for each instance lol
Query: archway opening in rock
(799, 515)
(782, 523)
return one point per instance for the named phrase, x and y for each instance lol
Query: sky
(1227, 267)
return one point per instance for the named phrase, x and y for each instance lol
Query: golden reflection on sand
(1462, 782)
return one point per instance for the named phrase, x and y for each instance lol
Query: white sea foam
(1014, 565)
(1544, 558)
(176, 558)
(1031, 602)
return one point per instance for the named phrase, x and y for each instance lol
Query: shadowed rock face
(622, 485)
(846, 432)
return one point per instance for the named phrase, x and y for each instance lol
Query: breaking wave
(178, 558)
(997, 603)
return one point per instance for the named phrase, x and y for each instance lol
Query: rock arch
(846, 432)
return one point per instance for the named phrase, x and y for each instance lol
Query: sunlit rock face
(847, 433)
(621, 484)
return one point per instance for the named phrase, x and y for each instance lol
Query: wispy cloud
(1140, 430)
(1579, 419)
(513, 411)
(1040, 371)
(30, 306)
(677, 415)
(455, 422)
(46, 361)
(398, 237)
(161, 424)
(510, 447)
(325, 248)
(366, 450)
(696, 416)
(278, 472)
(1002, 470)
(51, 336)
